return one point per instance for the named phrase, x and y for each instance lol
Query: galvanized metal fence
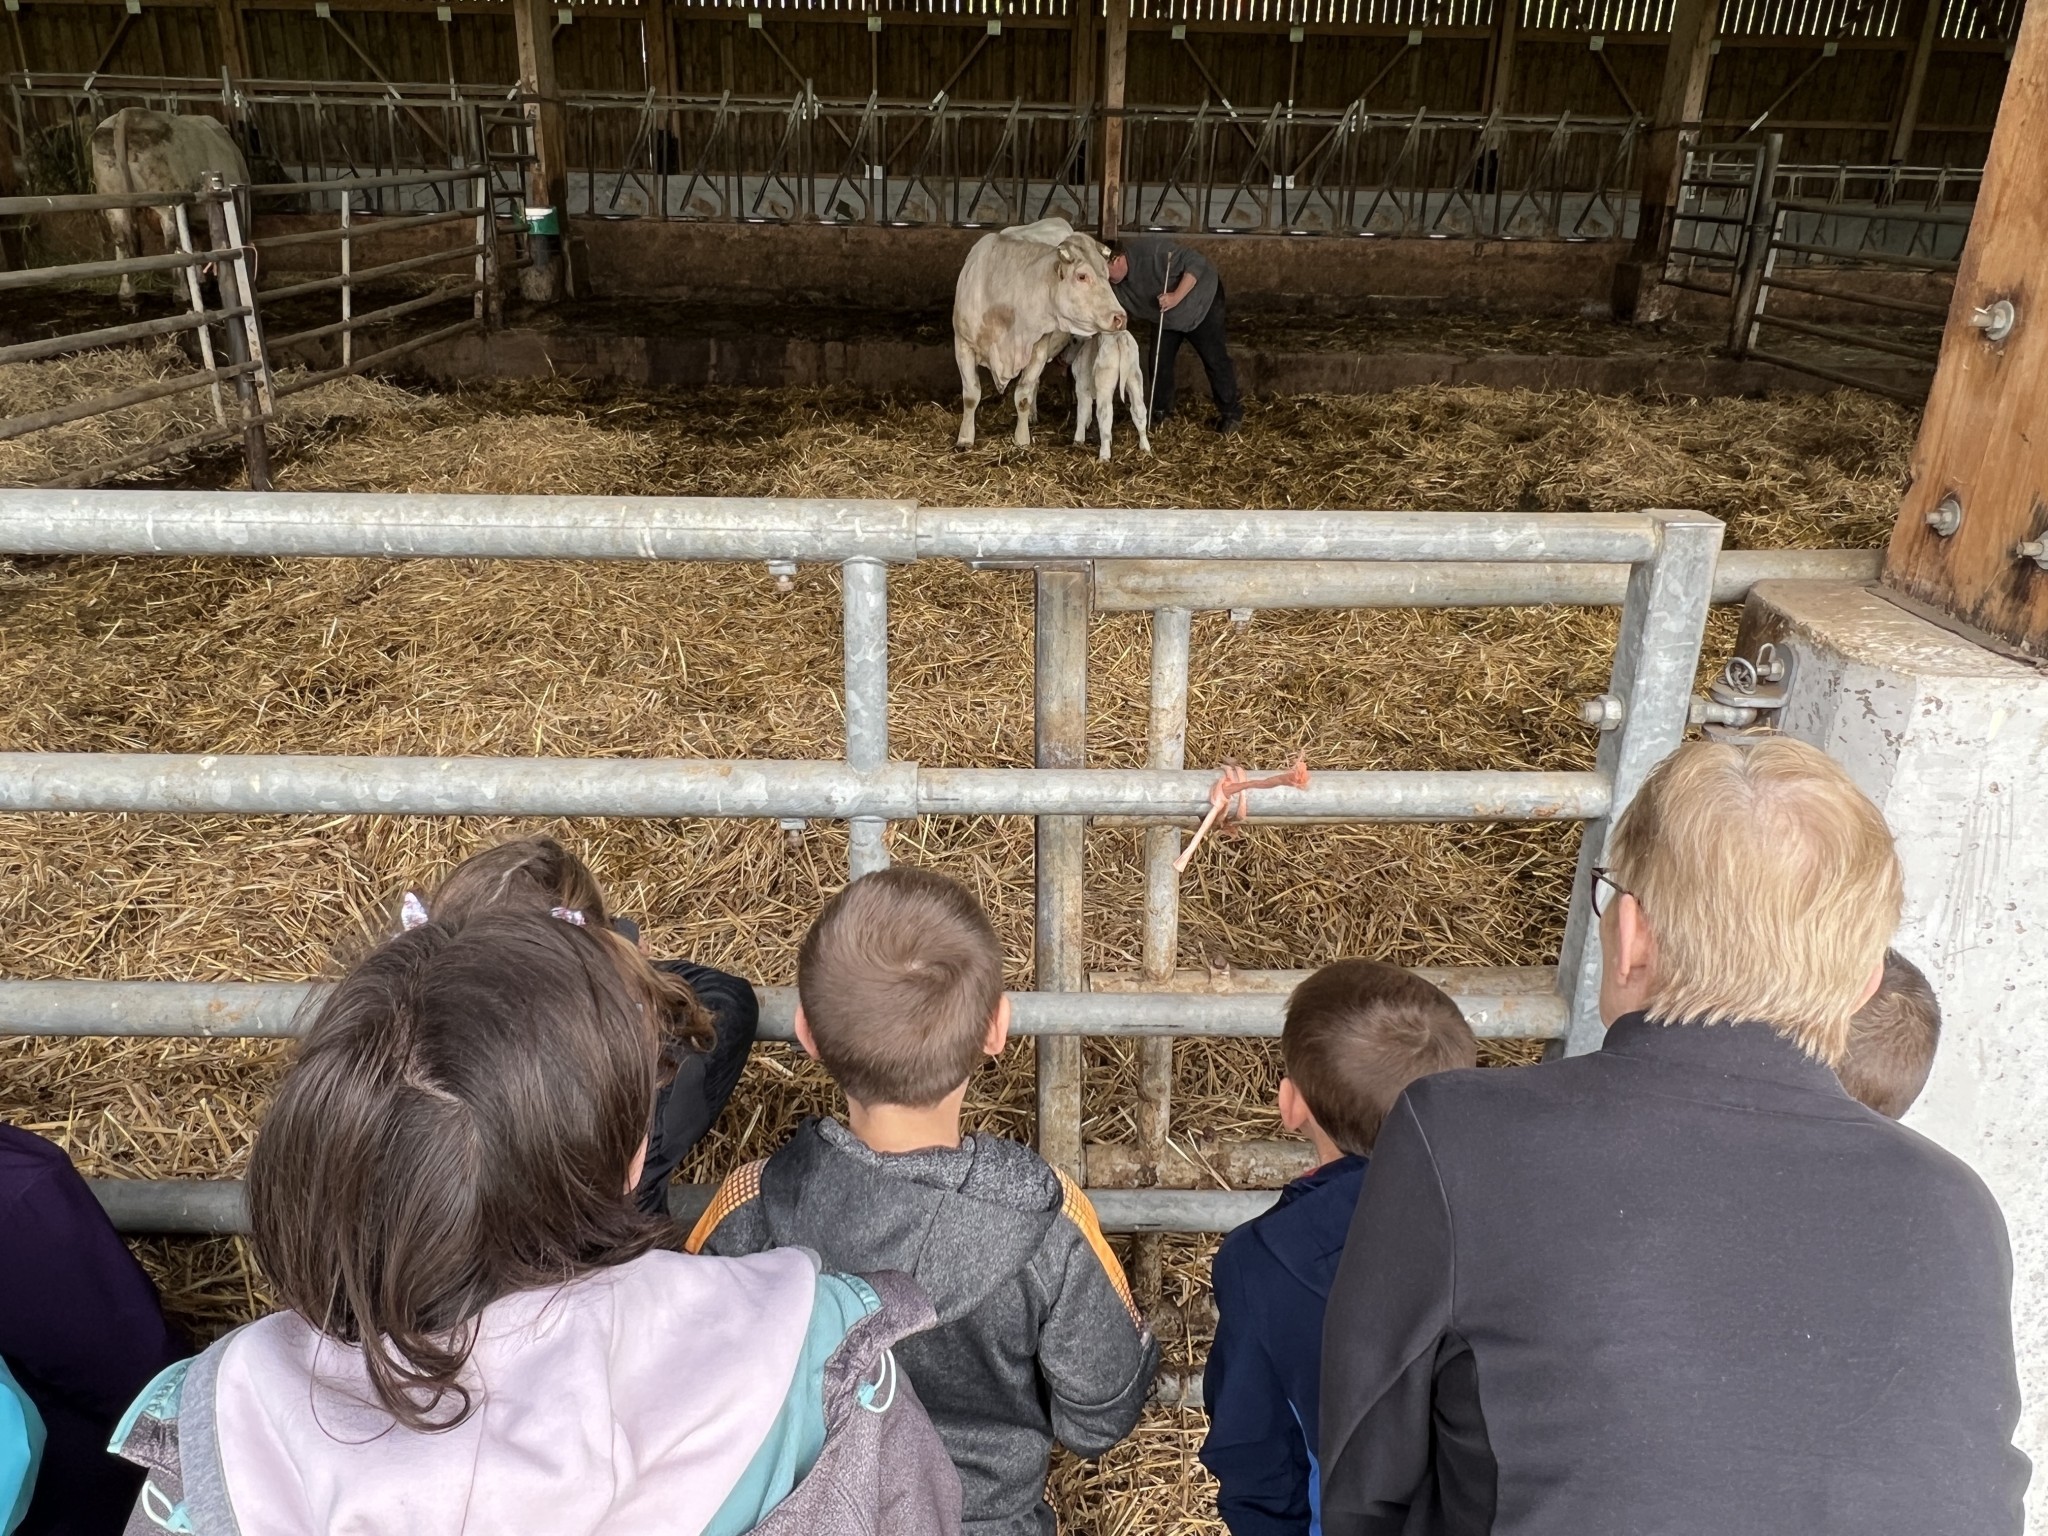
(1659, 566)
(242, 339)
(1213, 168)
(1879, 242)
(235, 372)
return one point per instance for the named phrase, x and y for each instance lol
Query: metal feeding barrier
(237, 334)
(1660, 567)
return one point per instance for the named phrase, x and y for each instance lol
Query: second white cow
(1022, 293)
(1105, 366)
(137, 150)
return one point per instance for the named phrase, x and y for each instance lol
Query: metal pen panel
(1520, 1004)
(1656, 659)
(864, 590)
(1060, 714)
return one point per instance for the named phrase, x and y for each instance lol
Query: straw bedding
(450, 657)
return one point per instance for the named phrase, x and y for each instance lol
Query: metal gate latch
(1746, 693)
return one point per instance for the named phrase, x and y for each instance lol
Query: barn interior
(1535, 256)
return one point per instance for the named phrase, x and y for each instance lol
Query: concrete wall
(913, 269)
(1951, 741)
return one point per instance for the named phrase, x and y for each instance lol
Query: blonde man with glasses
(1684, 1284)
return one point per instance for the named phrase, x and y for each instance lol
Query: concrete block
(1951, 741)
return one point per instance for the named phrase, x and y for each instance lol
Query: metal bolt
(1241, 617)
(1947, 517)
(784, 572)
(2035, 550)
(1606, 712)
(1995, 319)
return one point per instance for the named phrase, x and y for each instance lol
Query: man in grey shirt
(1167, 286)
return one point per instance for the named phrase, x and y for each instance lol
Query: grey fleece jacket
(1037, 1338)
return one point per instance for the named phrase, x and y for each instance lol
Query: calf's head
(1082, 300)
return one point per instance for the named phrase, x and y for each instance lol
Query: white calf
(1102, 365)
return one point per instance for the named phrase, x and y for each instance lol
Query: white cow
(1022, 294)
(141, 151)
(1102, 366)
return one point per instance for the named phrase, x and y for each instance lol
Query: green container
(543, 221)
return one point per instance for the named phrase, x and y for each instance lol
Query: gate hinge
(1748, 695)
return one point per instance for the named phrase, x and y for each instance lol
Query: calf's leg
(1132, 378)
(1105, 398)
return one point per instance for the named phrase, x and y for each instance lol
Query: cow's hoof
(960, 447)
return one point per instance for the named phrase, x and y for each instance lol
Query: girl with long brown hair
(708, 1017)
(484, 1333)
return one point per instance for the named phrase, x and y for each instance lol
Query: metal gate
(1659, 566)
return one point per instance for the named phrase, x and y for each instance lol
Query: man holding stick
(1176, 290)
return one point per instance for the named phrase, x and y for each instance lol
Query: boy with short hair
(1892, 1040)
(1357, 1034)
(900, 983)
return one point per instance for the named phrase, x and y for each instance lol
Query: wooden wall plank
(1979, 438)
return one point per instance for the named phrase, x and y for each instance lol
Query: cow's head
(1082, 300)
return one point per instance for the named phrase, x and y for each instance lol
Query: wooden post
(1980, 468)
(1116, 50)
(1679, 102)
(1085, 49)
(233, 40)
(657, 31)
(1507, 26)
(1916, 81)
(547, 175)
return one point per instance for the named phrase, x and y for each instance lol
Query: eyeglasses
(1603, 888)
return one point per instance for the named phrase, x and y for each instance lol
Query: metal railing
(1880, 242)
(1665, 562)
(1220, 170)
(465, 200)
(1215, 168)
(253, 342)
(231, 366)
(1891, 263)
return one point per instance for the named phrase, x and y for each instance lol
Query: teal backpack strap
(169, 1432)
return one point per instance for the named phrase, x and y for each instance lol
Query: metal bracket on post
(1060, 710)
(865, 606)
(1656, 657)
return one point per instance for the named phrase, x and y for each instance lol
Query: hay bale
(473, 657)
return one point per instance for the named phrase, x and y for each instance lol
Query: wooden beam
(1679, 102)
(658, 37)
(1916, 81)
(231, 39)
(1500, 78)
(1084, 51)
(547, 181)
(1116, 58)
(1980, 438)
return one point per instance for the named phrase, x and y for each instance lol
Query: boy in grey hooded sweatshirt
(901, 990)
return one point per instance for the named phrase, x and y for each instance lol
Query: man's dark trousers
(1210, 346)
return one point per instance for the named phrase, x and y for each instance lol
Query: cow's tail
(121, 150)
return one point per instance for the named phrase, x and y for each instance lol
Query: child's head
(463, 1120)
(1357, 1033)
(901, 984)
(537, 874)
(1892, 1039)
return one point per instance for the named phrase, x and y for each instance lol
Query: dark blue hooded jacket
(1272, 1277)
